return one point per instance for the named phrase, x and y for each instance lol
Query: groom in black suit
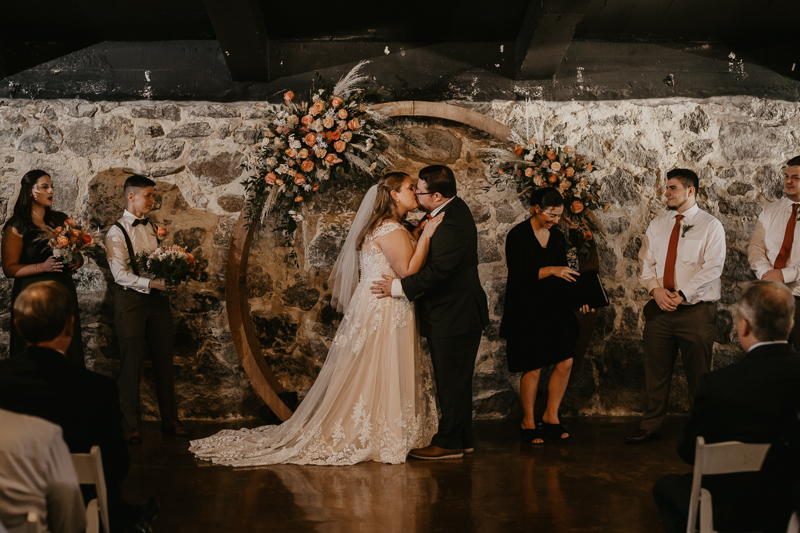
(755, 400)
(451, 307)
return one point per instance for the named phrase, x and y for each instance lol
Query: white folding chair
(89, 468)
(720, 458)
(794, 524)
(30, 525)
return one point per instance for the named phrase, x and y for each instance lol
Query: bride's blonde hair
(385, 206)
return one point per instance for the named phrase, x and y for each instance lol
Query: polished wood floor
(594, 482)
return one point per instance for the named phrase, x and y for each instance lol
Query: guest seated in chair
(40, 382)
(36, 475)
(755, 400)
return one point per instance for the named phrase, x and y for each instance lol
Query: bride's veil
(344, 276)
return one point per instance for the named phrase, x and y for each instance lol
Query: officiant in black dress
(28, 258)
(538, 323)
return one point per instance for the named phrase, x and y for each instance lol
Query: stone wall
(194, 152)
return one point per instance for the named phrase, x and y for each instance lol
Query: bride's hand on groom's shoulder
(382, 288)
(429, 227)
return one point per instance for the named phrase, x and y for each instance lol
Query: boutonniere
(685, 228)
(161, 233)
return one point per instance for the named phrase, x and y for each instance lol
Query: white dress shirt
(143, 239)
(36, 474)
(700, 255)
(766, 242)
(397, 285)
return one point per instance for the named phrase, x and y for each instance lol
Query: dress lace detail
(373, 399)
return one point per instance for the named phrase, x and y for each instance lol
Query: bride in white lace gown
(374, 397)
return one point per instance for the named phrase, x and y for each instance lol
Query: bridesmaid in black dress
(29, 260)
(539, 327)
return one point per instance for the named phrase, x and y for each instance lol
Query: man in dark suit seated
(755, 400)
(86, 405)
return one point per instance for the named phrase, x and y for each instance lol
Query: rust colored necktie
(672, 255)
(788, 239)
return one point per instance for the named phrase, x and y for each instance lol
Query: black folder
(587, 289)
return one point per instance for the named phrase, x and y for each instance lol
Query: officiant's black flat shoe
(555, 431)
(529, 435)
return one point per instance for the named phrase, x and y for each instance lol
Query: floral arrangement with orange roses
(332, 137)
(69, 242)
(535, 166)
(172, 263)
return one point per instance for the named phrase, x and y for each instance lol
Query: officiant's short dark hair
(439, 178)
(686, 177)
(42, 310)
(137, 182)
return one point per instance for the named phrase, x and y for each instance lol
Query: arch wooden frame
(242, 328)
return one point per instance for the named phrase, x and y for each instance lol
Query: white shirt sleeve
(648, 275)
(397, 288)
(117, 254)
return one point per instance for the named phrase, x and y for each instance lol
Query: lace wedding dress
(372, 401)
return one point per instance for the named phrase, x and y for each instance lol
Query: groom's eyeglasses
(423, 193)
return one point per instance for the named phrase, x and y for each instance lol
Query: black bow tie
(140, 221)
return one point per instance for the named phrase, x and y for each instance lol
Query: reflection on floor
(594, 482)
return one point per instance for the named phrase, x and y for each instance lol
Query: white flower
(369, 144)
(315, 98)
(321, 144)
(317, 126)
(528, 156)
(307, 187)
(283, 169)
(295, 144)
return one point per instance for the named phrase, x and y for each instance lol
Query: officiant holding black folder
(539, 321)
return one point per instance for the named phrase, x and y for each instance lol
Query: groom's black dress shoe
(642, 436)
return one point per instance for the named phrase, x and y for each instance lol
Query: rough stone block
(156, 151)
(39, 139)
(246, 136)
(697, 150)
(219, 169)
(214, 111)
(697, 121)
(82, 110)
(619, 188)
(100, 136)
(165, 112)
(744, 140)
(190, 130)
(151, 130)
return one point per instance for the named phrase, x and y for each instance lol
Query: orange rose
(336, 102)
(354, 124)
(278, 182)
(58, 230)
(189, 258)
(333, 135)
(76, 233)
(330, 158)
(589, 167)
(87, 239)
(319, 105)
(577, 206)
(298, 199)
(328, 122)
(340, 146)
(162, 232)
(570, 172)
(311, 139)
(288, 96)
(587, 235)
(342, 114)
(307, 166)
(299, 179)
(313, 111)
(270, 178)
(315, 186)
(307, 120)
(302, 154)
(71, 222)
(518, 150)
(63, 241)
(551, 155)
(528, 172)
(73, 240)
(500, 171)
(291, 152)
(552, 178)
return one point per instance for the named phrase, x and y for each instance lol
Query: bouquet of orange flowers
(69, 242)
(173, 264)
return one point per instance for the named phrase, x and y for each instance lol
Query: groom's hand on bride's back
(382, 288)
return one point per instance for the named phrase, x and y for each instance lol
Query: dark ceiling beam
(546, 32)
(242, 35)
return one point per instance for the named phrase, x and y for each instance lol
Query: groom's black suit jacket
(755, 400)
(448, 293)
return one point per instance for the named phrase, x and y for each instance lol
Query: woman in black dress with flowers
(539, 326)
(28, 259)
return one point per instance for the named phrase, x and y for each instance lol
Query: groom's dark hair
(439, 178)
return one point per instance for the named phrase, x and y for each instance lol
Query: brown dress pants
(144, 327)
(689, 330)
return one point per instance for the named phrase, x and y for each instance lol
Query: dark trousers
(144, 326)
(689, 330)
(794, 336)
(453, 365)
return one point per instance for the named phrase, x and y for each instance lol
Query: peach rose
(298, 199)
(529, 172)
(551, 155)
(70, 222)
(319, 105)
(555, 166)
(589, 167)
(302, 154)
(320, 152)
(518, 150)
(342, 114)
(346, 136)
(340, 146)
(307, 120)
(311, 139)
(75, 233)
(291, 152)
(270, 178)
(341, 125)
(500, 171)
(288, 96)
(330, 158)
(315, 186)
(336, 102)
(58, 230)
(278, 182)
(353, 124)
(564, 185)
(292, 120)
(328, 122)
(570, 172)
(532, 141)
(290, 162)
(538, 181)
(87, 239)
(569, 150)
(313, 111)
(577, 206)
(162, 232)
(63, 241)
(299, 179)
(552, 178)
(307, 166)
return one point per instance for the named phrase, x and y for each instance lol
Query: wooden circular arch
(242, 329)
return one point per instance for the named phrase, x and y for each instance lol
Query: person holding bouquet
(539, 327)
(142, 312)
(28, 256)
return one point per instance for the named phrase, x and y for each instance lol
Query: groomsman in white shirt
(680, 264)
(772, 253)
(142, 313)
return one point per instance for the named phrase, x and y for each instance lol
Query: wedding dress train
(372, 401)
